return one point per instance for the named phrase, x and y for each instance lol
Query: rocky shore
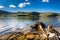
(37, 32)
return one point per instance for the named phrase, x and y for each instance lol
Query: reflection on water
(9, 24)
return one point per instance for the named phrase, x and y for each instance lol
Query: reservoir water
(9, 24)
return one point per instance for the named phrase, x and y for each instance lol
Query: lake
(9, 24)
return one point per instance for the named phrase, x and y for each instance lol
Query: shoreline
(58, 29)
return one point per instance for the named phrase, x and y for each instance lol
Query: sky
(30, 5)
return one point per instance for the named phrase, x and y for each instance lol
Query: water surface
(9, 24)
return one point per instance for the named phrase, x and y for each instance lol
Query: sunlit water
(9, 24)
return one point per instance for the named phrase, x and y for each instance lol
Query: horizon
(29, 11)
(30, 5)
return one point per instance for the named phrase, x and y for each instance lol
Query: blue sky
(30, 5)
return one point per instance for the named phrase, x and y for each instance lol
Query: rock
(53, 36)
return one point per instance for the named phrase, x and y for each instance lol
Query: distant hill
(4, 12)
(49, 14)
(28, 14)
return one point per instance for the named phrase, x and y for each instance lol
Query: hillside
(28, 14)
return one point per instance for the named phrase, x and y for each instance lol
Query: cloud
(45, 0)
(1, 6)
(12, 6)
(21, 5)
(28, 3)
(26, 0)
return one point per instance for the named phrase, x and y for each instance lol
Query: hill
(28, 14)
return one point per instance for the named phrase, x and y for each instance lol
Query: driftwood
(52, 29)
(39, 33)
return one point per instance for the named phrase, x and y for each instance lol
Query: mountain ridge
(3, 11)
(28, 14)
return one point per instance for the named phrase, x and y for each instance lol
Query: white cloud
(28, 3)
(21, 5)
(1, 6)
(45, 0)
(26, 0)
(12, 6)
